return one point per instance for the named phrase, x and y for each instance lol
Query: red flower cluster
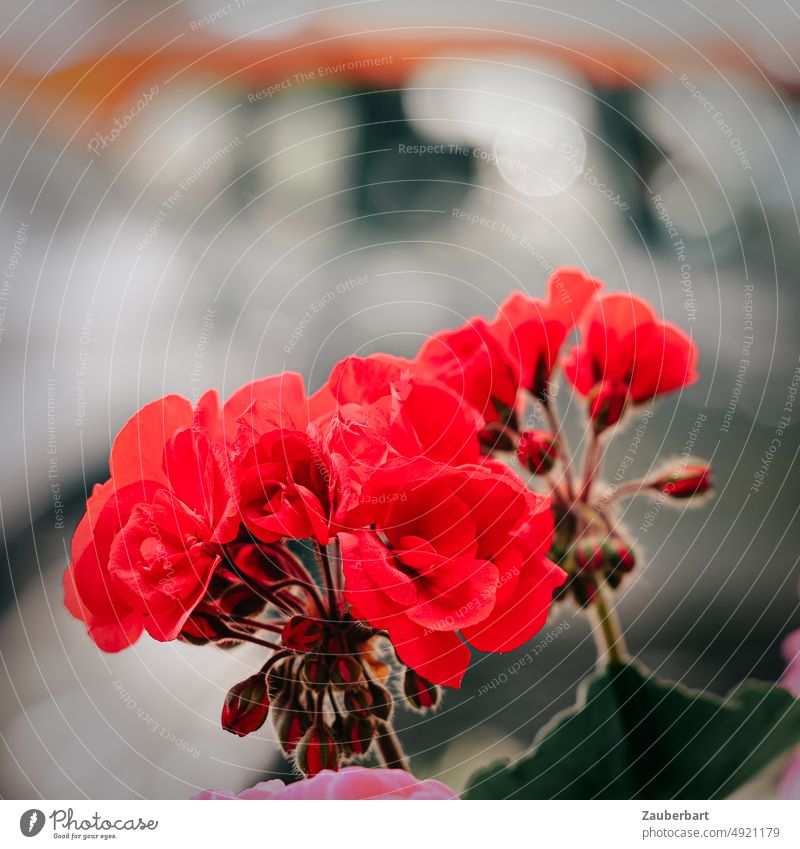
(436, 540)
(396, 477)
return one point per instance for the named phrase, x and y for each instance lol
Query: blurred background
(197, 193)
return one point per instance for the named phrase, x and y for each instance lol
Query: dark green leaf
(635, 737)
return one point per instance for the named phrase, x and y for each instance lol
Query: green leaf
(635, 737)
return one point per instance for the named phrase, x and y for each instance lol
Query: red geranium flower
(532, 331)
(426, 565)
(169, 475)
(627, 353)
(90, 593)
(285, 479)
(167, 552)
(474, 365)
(385, 411)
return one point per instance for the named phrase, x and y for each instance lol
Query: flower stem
(607, 632)
(322, 553)
(593, 455)
(551, 414)
(391, 751)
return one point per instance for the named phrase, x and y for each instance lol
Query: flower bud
(685, 482)
(346, 672)
(618, 557)
(537, 450)
(587, 555)
(607, 404)
(317, 750)
(302, 633)
(290, 726)
(354, 734)
(584, 591)
(421, 694)
(358, 701)
(246, 706)
(315, 672)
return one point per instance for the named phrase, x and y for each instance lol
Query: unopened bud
(302, 633)
(246, 706)
(618, 556)
(538, 451)
(685, 482)
(290, 726)
(346, 672)
(355, 734)
(315, 672)
(584, 591)
(607, 404)
(421, 694)
(358, 701)
(587, 555)
(317, 750)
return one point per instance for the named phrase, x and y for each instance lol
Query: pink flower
(352, 782)
(790, 649)
(789, 787)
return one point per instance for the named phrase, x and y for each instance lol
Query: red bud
(246, 706)
(421, 694)
(618, 556)
(685, 482)
(358, 701)
(346, 672)
(538, 451)
(290, 727)
(607, 404)
(355, 734)
(302, 633)
(315, 672)
(588, 555)
(317, 751)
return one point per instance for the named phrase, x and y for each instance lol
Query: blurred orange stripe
(84, 96)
